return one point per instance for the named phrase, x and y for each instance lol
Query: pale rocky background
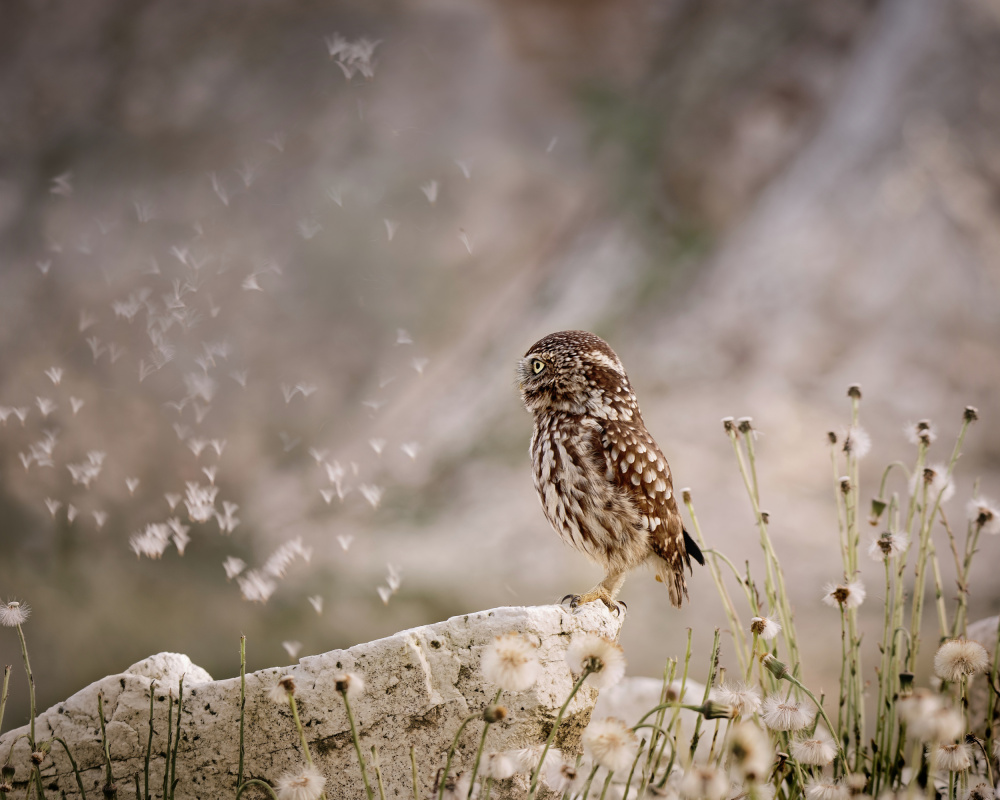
(756, 204)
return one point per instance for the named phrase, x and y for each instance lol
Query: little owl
(603, 483)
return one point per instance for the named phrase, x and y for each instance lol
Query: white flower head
(765, 627)
(888, 545)
(349, 683)
(958, 657)
(610, 743)
(562, 777)
(526, 759)
(953, 757)
(984, 513)
(844, 595)
(857, 442)
(824, 789)
(939, 483)
(921, 432)
(981, 791)
(498, 766)
(928, 719)
(817, 751)
(14, 613)
(282, 689)
(780, 714)
(602, 655)
(751, 751)
(743, 698)
(306, 784)
(704, 782)
(510, 662)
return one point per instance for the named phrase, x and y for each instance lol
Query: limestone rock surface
(420, 684)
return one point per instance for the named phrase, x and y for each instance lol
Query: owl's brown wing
(636, 465)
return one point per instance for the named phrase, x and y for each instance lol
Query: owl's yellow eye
(537, 366)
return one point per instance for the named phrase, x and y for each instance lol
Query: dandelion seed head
(511, 663)
(349, 683)
(765, 627)
(561, 777)
(751, 751)
(497, 766)
(928, 718)
(743, 698)
(306, 784)
(780, 714)
(888, 545)
(14, 613)
(817, 751)
(939, 484)
(960, 657)
(953, 757)
(981, 791)
(824, 789)
(610, 743)
(844, 595)
(704, 782)
(984, 512)
(492, 714)
(920, 432)
(604, 656)
(282, 689)
(857, 442)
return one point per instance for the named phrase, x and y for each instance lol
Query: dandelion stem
(4, 692)
(451, 752)
(607, 783)
(590, 780)
(589, 668)
(713, 567)
(31, 686)
(479, 751)
(76, 769)
(243, 704)
(416, 778)
(109, 783)
(149, 743)
(713, 666)
(177, 738)
(305, 745)
(378, 774)
(255, 782)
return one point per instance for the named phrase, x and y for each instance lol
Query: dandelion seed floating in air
(430, 190)
(316, 601)
(292, 648)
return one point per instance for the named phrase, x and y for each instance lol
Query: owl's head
(575, 372)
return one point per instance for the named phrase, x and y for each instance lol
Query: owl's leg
(606, 591)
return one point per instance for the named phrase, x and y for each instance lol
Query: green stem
(607, 783)
(305, 745)
(555, 726)
(177, 738)
(451, 753)
(255, 782)
(378, 774)
(149, 743)
(109, 786)
(713, 666)
(479, 751)
(416, 777)
(31, 687)
(4, 692)
(76, 769)
(243, 703)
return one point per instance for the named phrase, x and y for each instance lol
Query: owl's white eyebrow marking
(606, 361)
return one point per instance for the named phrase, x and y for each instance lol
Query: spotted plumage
(603, 482)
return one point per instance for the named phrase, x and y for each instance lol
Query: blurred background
(266, 268)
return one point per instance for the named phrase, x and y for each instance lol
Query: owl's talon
(621, 607)
(573, 599)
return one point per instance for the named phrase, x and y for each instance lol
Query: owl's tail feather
(673, 579)
(691, 550)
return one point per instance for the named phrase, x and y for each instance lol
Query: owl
(603, 482)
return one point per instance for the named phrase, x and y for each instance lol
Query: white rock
(420, 684)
